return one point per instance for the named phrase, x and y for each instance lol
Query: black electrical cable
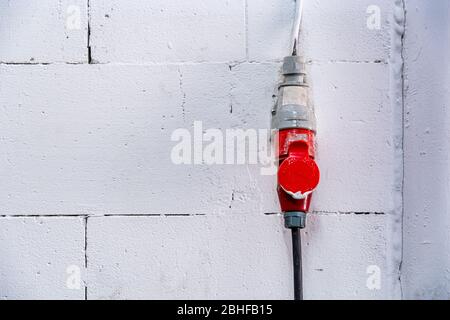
(297, 263)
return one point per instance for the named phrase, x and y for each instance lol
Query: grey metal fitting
(293, 109)
(293, 65)
(294, 220)
(294, 72)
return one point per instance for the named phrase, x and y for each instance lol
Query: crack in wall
(232, 64)
(232, 85)
(246, 30)
(183, 93)
(348, 61)
(85, 257)
(357, 213)
(89, 32)
(95, 215)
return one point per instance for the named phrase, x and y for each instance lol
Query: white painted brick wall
(426, 261)
(43, 31)
(93, 140)
(167, 31)
(332, 30)
(112, 138)
(212, 257)
(37, 255)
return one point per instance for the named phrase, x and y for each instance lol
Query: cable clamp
(295, 220)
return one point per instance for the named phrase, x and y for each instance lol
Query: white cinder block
(355, 130)
(78, 139)
(187, 257)
(253, 94)
(104, 145)
(345, 257)
(331, 30)
(167, 31)
(42, 258)
(355, 137)
(269, 28)
(230, 257)
(42, 31)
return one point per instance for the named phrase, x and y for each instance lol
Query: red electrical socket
(298, 173)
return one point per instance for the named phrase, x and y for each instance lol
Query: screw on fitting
(293, 65)
(293, 109)
(294, 72)
(295, 220)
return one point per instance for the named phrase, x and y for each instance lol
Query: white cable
(297, 25)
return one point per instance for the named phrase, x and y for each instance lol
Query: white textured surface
(426, 262)
(35, 254)
(230, 257)
(108, 149)
(95, 139)
(42, 31)
(167, 31)
(358, 243)
(331, 30)
(355, 139)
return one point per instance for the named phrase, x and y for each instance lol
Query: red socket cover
(298, 173)
(298, 176)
